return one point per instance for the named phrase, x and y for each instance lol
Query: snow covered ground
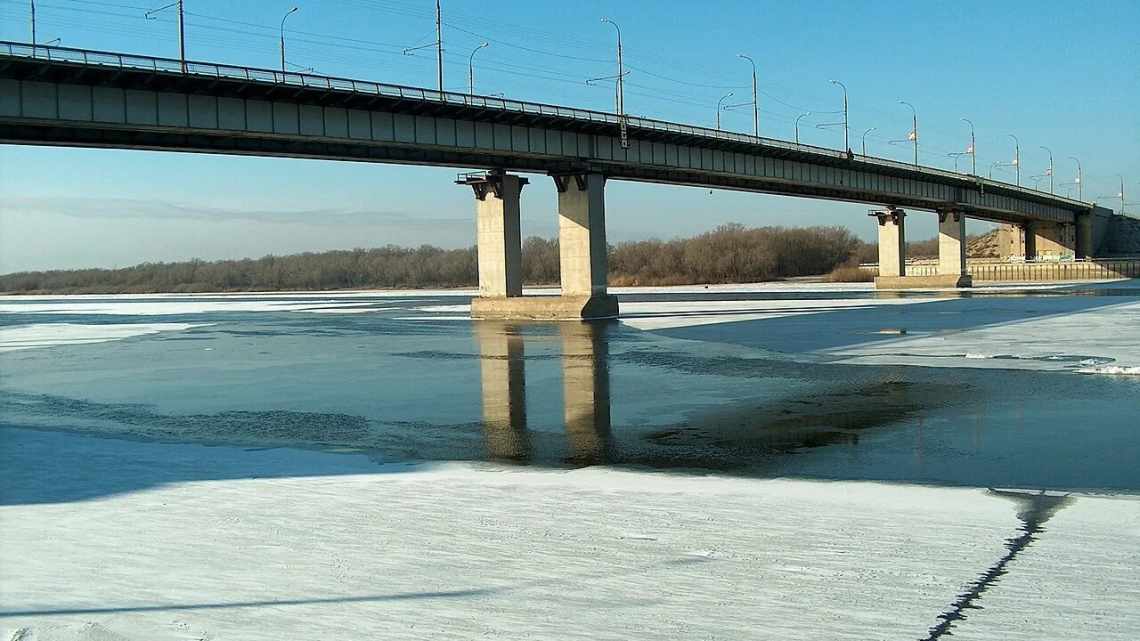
(285, 544)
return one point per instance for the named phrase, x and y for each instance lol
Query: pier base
(577, 308)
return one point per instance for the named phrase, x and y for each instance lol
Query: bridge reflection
(584, 361)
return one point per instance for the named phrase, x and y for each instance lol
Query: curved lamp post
(755, 102)
(1080, 183)
(914, 129)
(806, 113)
(287, 14)
(972, 149)
(1050, 151)
(720, 107)
(846, 143)
(865, 139)
(471, 68)
(1016, 158)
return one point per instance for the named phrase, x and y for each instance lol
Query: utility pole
(149, 15)
(755, 102)
(439, 43)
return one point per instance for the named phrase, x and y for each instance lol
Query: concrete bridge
(74, 97)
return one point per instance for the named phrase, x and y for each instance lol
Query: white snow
(129, 306)
(290, 549)
(18, 337)
(1047, 343)
(673, 314)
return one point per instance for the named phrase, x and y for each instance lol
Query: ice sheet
(277, 544)
(52, 334)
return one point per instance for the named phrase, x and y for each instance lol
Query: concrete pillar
(582, 234)
(1011, 241)
(1085, 236)
(952, 248)
(502, 375)
(1049, 239)
(497, 232)
(951, 243)
(586, 390)
(892, 243)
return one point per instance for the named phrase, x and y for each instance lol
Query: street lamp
(972, 149)
(996, 163)
(1050, 167)
(620, 95)
(719, 107)
(287, 14)
(471, 68)
(846, 143)
(806, 113)
(914, 129)
(865, 139)
(755, 102)
(1121, 194)
(1016, 157)
(1080, 183)
(33, 27)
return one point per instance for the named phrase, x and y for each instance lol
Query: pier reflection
(585, 390)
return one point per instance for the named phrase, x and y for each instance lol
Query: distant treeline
(729, 254)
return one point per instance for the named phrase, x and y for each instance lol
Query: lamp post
(1121, 194)
(1016, 158)
(33, 27)
(1080, 185)
(471, 68)
(846, 143)
(755, 103)
(619, 97)
(719, 107)
(806, 113)
(865, 139)
(1050, 151)
(972, 149)
(287, 14)
(914, 129)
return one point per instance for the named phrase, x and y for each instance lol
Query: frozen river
(770, 461)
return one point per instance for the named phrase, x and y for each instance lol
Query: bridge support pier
(1043, 239)
(498, 234)
(892, 252)
(952, 250)
(582, 248)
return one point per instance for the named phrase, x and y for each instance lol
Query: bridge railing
(170, 65)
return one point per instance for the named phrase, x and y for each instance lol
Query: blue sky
(1052, 73)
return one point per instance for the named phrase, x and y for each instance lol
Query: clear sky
(1061, 74)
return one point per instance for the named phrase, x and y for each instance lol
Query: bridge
(75, 97)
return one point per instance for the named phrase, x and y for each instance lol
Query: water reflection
(585, 390)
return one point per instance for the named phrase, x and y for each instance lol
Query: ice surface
(285, 544)
(50, 334)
